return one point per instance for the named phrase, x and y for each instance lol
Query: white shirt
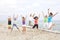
(14, 20)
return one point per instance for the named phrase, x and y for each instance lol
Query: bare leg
(11, 29)
(24, 29)
(18, 30)
(9, 26)
(51, 26)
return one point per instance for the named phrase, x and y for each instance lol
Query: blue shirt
(50, 19)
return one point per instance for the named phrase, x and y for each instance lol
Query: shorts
(49, 24)
(35, 25)
(45, 25)
(24, 25)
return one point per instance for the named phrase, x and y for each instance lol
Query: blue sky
(10, 7)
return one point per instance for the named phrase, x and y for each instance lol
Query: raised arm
(14, 16)
(39, 15)
(21, 16)
(33, 15)
(26, 16)
(30, 15)
(55, 14)
(43, 13)
(17, 16)
(48, 11)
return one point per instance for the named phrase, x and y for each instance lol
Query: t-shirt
(23, 22)
(9, 22)
(45, 20)
(14, 20)
(36, 21)
(50, 19)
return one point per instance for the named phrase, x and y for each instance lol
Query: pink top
(36, 21)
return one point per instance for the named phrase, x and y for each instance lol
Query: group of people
(47, 21)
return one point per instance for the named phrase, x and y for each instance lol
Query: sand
(30, 34)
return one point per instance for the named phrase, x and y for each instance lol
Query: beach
(30, 13)
(30, 34)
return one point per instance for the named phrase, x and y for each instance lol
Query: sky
(25, 7)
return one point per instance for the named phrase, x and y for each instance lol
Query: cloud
(23, 6)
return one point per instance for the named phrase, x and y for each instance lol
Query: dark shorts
(35, 25)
